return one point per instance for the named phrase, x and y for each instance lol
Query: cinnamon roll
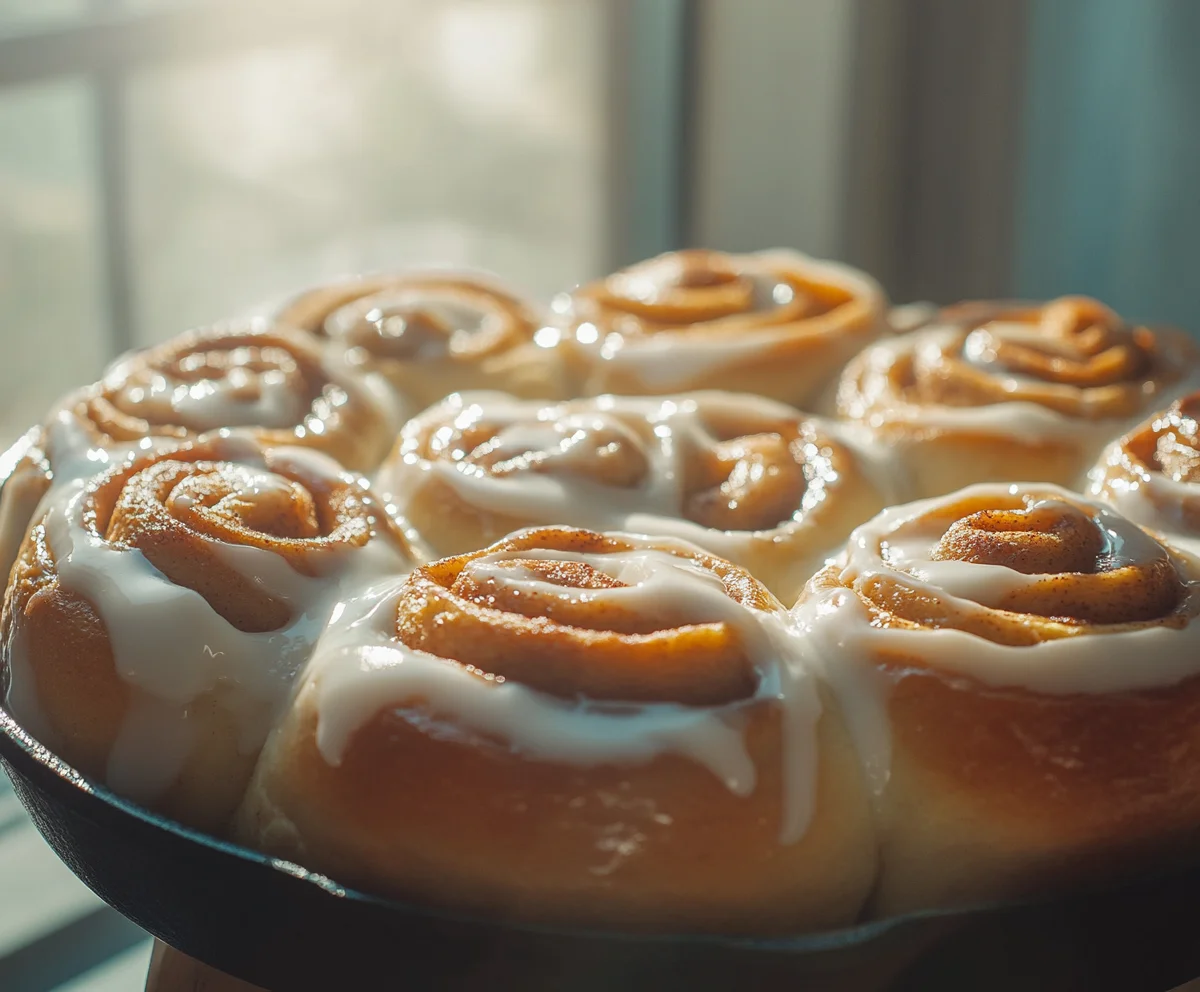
(995, 391)
(273, 385)
(776, 323)
(746, 478)
(157, 613)
(434, 333)
(1019, 664)
(1152, 474)
(577, 727)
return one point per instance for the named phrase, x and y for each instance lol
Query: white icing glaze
(234, 405)
(387, 310)
(677, 360)
(170, 644)
(21, 488)
(239, 397)
(74, 456)
(18, 689)
(550, 435)
(841, 642)
(359, 669)
(1060, 666)
(1151, 498)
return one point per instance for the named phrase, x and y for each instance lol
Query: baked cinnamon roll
(434, 333)
(775, 323)
(576, 727)
(274, 386)
(995, 391)
(1152, 474)
(158, 612)
(746, 478)
(1020, 666)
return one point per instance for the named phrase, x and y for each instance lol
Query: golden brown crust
(661, 846)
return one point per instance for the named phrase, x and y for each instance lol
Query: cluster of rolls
(620, 612)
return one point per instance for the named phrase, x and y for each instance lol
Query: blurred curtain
(1109, 202)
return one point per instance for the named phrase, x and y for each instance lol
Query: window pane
(50, 297)
(463, 133)
(20, 15)
(1109, 204)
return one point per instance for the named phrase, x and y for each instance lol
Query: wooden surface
(171, 971)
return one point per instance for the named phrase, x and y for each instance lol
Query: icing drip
(360, 666)
(167, 641)
(858, 614)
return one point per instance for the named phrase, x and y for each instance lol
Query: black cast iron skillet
(280, 926)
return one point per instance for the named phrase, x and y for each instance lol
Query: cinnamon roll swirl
(995, 391)
(776, 323)
(434, 333)
(576, 727)
(275, 386)
(1020, 665)
(1152, 474)
(271, 383)
(749, 479)
(158, 612)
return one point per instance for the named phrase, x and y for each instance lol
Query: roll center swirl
(425, 320)
(687, 287)
(1041, 540)
(576, 614)
(395, 330)
(186, 511)
(1082, 567)
(748, 483)
(242, 499)
(597, 448)
(1073, 341)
